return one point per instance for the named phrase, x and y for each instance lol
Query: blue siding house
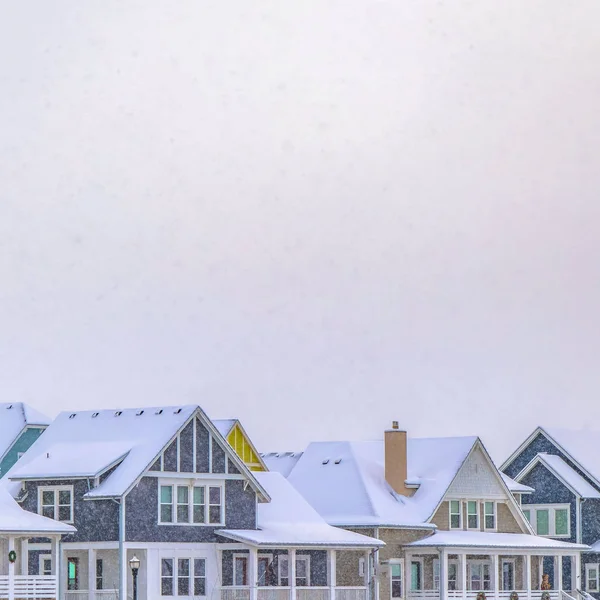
(564, 472)
(20, 427)
(163, 488)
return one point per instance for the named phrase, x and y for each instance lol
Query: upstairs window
(186, 504)
(455, 514)
(551, 520)
(56, 502)
(489, 515)
(472, 514)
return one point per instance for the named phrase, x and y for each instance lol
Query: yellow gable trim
(240, 443)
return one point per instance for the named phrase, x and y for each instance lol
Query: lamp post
(134, 564)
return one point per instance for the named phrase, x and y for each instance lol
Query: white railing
(312, 593)
(489, 594)
(91, 595)
(273, 593)
(27, 587)
(351, 593)
(106, 594)
(235, 593)
(583, 594)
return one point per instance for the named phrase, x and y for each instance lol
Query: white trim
(514, 566)
(194, 444)
(191, 486)
(520, 449)
(210, 452)
(588, 567)
(494, 503)
(41, 559)
(247, 557)
(56, 489)
(460, 514)
(302, 558)
(398, 561)
(420, 561)
(551, 508)
(476, 514)
(194, 476)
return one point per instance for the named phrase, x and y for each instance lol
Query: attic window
(95, 415)
(72, 415)
(159, 411)
(139, 413)
(176, 412)
(326, 461)
(118, 413)
(338, 461)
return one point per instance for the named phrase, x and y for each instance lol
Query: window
(489, 515)
(183, 582)
(455, 515)
(187, 504)
(452, 574)
(240, 570)
(166, 577)
(553, 520)
(302, 571)
(508, 575)
(72, 573)
(472, 514)
(56, 503)
(99, 574)
(591, 577)
(45, 564)
(416, 573)
(397, 581)
(479, 576)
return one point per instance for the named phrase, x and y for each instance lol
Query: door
(240, 570)
(508, 575)
(264, 566)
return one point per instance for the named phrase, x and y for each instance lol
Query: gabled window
(56, 502)
(489, 515)
(186, 504)
(455, 514)
(591, 577)
(472, 514)
(551, 520)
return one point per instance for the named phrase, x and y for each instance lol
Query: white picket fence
(29, 587)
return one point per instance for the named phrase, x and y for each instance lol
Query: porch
(295, 574)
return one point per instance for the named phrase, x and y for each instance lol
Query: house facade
(565, 500)
(162, 486)
(451, 522)
(20, 427)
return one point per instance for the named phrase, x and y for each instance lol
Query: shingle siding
(590, 520)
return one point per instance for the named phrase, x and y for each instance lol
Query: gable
(477, 479)
(242, 446)
(548, 488)
(524, 455)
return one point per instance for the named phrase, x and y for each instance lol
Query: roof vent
(338, 461)
(159, 411)
(95, 415)
(47, 454)
(139, 413)
(326, 461)
(9, 406)
(177, 411)
(118, 413)
(72, 415)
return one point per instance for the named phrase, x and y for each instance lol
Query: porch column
(292, 572)
(92, 574)
(495, 577)
(123, 568)
(11, 569)
(253, 568)
(443, 574)
(24, 556)
(407, 574)
(527, 575)
(558, 567)
(331, 554)
(463, 574)
(577, 577)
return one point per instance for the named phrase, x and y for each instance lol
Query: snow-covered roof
(515, 486)
(289, 520)
(282, 462)
(224, 426)
(345, 481)
(14, 417)
(14, 519)
(480, 539)
(563, 471)
(84, 443)
(595, 547)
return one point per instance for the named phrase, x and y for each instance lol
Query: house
(450, 520)
(17, 526)
(564, 472)
(163, 487)
(20, 426)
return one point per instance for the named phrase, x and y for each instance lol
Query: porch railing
(91, 595)
(29, 586)
(351, 593)
(273, 593)
(489, 594)
(312, 593)
(285, 593)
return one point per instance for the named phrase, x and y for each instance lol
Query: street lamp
(134, 564)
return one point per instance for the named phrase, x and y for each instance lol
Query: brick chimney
(396, 468)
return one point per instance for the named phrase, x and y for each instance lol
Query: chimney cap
(395, 425)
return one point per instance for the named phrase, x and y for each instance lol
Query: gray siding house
(163, 485)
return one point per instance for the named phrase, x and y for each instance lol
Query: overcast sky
(316, 216)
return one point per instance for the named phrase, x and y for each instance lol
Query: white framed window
(591, 577)
(397, 579)
(455, 514)
(416, 574)
(452, 574)
(550, 520)
(264, 565)
(45, 567)
(489, 516)
(186, 504)
(302, 571)
(56, 502)
(183, 577)
(472, 514)
(479, 575)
